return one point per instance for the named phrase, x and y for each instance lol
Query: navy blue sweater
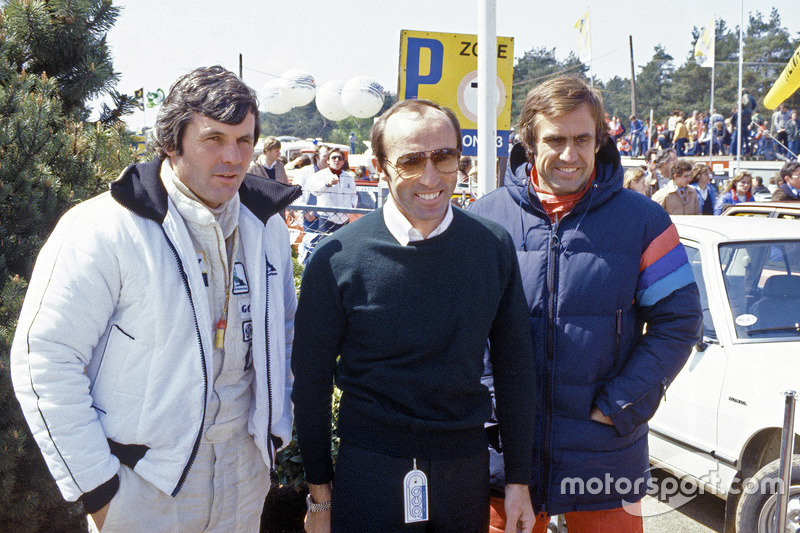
(411, 324)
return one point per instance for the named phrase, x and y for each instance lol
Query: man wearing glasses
(407, 296)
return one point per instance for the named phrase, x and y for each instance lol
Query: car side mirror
(701, 345)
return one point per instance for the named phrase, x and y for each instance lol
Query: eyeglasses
(410, 166)
(335, 157)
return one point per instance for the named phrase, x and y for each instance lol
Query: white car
(720, 422)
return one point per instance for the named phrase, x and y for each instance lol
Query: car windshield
(762, 281)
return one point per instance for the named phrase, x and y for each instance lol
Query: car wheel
(759, 500)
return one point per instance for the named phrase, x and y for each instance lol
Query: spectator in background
(268, 165)
(664, 162)
(638, 136)
(672, 123)
(736, 191)
(310, 218)
(677, 198)
(793, 136)
(681, 137)
(617, 128)
(635, 180)
(722, 138)
(333, 187)
(692, 123)
(651, 172)
(789, 188)
(747, 118)
(780, 118)
(706, 192)
(624, 146)
(464, 166)
(352, 140)
(748, 102)
(759, 188)
(298, 162)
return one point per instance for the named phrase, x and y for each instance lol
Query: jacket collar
(608, 179)
(140, 189)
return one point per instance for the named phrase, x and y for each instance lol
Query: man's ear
(379, 169)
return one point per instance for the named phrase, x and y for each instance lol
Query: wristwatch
(317, 507)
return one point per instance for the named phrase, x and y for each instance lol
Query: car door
(683, 432)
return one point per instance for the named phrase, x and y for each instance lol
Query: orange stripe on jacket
(659, 247)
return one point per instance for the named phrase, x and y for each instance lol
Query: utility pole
(633, 80)
(240, 67)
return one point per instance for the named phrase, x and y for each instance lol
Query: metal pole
(633, 81)
(787, 447)
(710, 114)
(739, 112)
(487, 96)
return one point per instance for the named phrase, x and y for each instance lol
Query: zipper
(270, 446)
(617, 336)
(196, 446)
(552, 267)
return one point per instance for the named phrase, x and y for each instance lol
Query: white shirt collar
(402, 230)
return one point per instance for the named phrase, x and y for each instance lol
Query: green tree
(534, 67)
(653, 83)
(617, 97)
(49, 161)
(65, 39)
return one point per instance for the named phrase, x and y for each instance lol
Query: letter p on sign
(414, 76)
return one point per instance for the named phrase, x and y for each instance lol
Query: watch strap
(317, 507)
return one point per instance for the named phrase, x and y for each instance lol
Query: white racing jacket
(110, 363)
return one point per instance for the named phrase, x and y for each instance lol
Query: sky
(155, 41)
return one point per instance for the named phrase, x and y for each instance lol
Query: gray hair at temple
(214, 92)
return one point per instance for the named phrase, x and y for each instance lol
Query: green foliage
(66, 40)
(49, 161)
(306, 122)
(534, 67)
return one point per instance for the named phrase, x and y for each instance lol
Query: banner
(155, 98)
(585, 38)
(704, 49)
(138, 94)
(786, 84)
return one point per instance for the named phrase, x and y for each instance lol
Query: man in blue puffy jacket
(598, 264)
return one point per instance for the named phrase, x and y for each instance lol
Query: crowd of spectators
(683, 187)
(768, 137)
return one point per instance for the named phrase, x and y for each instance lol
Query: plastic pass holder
(415, 495)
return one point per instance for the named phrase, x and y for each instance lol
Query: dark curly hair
(210, 91)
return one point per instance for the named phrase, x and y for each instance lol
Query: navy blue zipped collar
(140, 189)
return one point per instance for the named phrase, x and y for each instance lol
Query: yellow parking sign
(443, 67)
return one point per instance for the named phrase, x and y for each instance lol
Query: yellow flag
(585, 38)
(786, 84)
(704, 49)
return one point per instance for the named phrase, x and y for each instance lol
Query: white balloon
(362, 96)
(302, 86)
(275, 97)
(329, 100)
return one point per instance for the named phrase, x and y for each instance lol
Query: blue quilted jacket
(593, 281)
